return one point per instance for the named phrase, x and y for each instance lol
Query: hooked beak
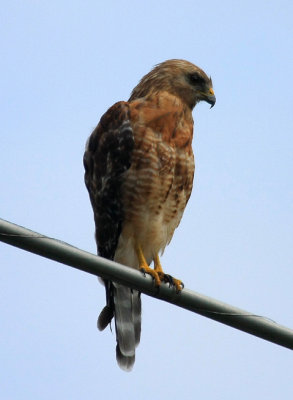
(210, 97)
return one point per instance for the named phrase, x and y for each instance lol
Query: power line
(62, 252)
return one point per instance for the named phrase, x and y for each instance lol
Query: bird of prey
(139, 169)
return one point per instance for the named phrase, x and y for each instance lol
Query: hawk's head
(179, 77)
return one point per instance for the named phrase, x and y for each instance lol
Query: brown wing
(107, 157)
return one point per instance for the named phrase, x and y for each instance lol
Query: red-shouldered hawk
(139, 169)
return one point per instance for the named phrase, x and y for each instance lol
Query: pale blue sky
(62, 65)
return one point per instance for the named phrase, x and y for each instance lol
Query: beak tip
(212, 101)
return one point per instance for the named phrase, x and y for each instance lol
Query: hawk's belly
(156, 189)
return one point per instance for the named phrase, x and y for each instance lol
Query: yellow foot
(177, 283)
(157, 273)
(147, 270)
(165, 277)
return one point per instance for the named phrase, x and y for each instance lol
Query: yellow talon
(167, 278)
(157, 273)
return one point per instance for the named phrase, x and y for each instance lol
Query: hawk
(139, 168)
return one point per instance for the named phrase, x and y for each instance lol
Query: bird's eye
(196, 79)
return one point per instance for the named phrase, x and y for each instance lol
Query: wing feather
(107, 157)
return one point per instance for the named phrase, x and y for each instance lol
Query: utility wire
(62, 252)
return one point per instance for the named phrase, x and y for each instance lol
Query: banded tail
(124, 304)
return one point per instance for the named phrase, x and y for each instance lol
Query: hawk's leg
(165, 277)
(144, 267)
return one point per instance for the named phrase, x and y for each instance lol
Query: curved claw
(166, 278)
(154, 274)
(169, 279)
(173, 282)
(158, 275)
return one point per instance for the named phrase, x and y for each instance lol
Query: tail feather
(125, 305)
(123, 319)
(105, 317)
(124, 362)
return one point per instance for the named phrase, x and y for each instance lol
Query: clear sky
(63, 63)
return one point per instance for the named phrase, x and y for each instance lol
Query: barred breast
(157, 186)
